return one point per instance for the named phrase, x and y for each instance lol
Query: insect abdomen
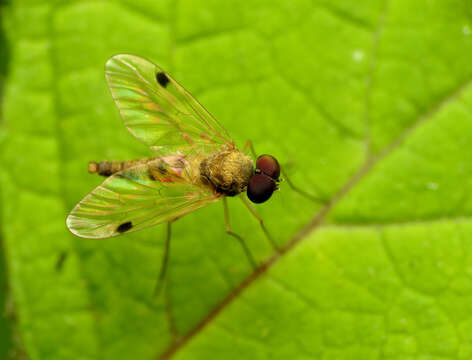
(108, 168)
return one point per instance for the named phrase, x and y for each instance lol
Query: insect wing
(160, 112)
(137, 198)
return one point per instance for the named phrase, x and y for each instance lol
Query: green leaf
(367, 104)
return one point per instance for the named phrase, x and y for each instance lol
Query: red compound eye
(260, 188)
(268, 165)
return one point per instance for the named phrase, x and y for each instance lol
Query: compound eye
(260, 188)
(269, 166)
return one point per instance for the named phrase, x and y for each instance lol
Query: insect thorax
(228, 171)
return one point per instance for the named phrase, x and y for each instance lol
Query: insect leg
(298, 190)
(61, 258)
(249, 145)
(165, 258)
(261, 222)
(239, 238)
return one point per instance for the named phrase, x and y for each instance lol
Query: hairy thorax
(228, 171)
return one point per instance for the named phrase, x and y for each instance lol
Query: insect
(195, 162)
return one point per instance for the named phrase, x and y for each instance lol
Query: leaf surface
(368, 105)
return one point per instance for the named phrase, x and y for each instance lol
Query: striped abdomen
(107, 168)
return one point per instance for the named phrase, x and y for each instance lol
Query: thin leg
(60, 260)
(165, 259)
(261, 222)
(300, 191)
(249, 145)
(239, 238)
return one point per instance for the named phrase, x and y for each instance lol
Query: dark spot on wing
(124, 227)
(162, 79)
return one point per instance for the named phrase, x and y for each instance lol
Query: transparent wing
(137, 198)
(160, 112)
